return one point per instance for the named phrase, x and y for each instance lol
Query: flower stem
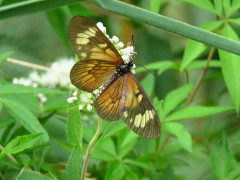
(89, 148)
(35, 66)
(200, 78)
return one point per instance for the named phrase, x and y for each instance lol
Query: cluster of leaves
(48, 141)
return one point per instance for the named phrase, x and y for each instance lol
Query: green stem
(89, 149)
(32, 6)
(171, 25)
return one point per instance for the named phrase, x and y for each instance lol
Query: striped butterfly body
(101, 65)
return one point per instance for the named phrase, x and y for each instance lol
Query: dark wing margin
(90, 42)
(89, 75)
(136, 109)
(108, 103)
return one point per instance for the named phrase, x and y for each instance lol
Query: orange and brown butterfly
(101, 65)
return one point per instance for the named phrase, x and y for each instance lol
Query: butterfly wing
(136, 109)
(99, 58)
(108, 103)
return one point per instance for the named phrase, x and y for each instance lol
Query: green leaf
(74, 125)
(155, 5)
(230, 68)
(174, 98)
(148, 83)
(227, 8)
(168, 174)
(78, 9)
(74, 165)
(194, 48)
(1, 105)
(21, 89)
(3, 58)
(105, 150)
(27, 175)
(6, 121)
(183, 136)
(25, 118)
(203, 4)
(144, 165)
(222, 160)
(218, 7)
(115, 170)
(19, 144)
(57, 19)
(196, 112)
(127, 143)
(199, 64)
(112, 128)
(161, 66)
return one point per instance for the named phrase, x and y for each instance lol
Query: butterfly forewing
(136, 109)
(90, 42)
(89, 75)
(98, 57)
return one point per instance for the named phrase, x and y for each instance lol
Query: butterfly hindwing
(108, 103)
(90, 42)
(136, 109)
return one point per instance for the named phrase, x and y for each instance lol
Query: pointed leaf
(74, 125)
(231, 68)
(194, 48)
(74, 165)
(3, 58)
(155, 6)
(183, 136)
(25, 118)
(27, 175)
(19, 144)
(222, 160)
(174, 98)
(196, 112)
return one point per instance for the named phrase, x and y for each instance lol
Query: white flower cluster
(86, 99)
(58, 77)
(126, 53)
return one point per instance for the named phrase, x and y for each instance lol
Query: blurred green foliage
(199, 139)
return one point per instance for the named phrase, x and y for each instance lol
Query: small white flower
(75, 93)
(101, 27)
(42, 97)
(133, 71)
(15, 81)
(120, 45)
(115, 39)
(96, 92)
(89, 107)
(125, 57)
(89, 95)
(80, 107)
(70, 100)
(134, 66)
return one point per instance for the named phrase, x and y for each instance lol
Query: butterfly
(101, 65)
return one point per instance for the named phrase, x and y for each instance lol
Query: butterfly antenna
(147, 70)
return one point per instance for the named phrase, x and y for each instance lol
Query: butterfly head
(125, 68)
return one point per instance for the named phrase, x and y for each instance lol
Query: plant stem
(89, 148)
(200, 78)
(9, 156)
(35, 66)
(171, 25)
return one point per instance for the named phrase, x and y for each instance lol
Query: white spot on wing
(138, 119)
(139, 98)
(82, 41)
(83, 54)
(82, 35)
(125, 114)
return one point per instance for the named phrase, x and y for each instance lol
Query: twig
(200, 78)
(9, 156)
(89, 148)
(35, 66)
